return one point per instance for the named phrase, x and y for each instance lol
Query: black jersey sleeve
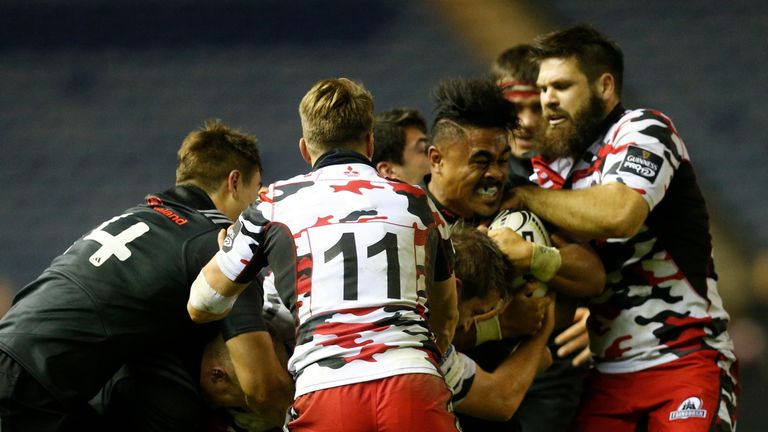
(246, 314)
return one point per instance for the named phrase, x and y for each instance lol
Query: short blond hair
(336, 113)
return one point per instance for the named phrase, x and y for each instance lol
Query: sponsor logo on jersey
(170, 215)
(641, 162)
(229, 240)
(690, 408)
(351, 172)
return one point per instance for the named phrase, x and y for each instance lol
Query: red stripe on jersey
(654, 280)
(614, 351)
(666, 121)
(410, 189)
(303, 275)
(545, 174)
(692, 333)
(439, 221)
(356, 186)
(367, 352)
(264, 197)
(370, 219)
(420, 236)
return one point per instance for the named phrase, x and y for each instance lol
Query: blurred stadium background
(96, 96)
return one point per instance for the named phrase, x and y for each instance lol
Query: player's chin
(486, 207)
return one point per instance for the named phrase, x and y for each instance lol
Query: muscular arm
(443, 311)
(605, 211)
(497, 395)
(263, 378)
(581, 272)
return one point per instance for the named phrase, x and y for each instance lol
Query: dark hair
(389, 133)
(480, 264)
(517, 63)
(207, 156)
(595, 53)
(476, 102)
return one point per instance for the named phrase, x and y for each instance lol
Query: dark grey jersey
(118, 292)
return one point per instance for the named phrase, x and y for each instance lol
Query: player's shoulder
(642, 118)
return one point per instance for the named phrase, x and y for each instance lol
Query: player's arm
(573, 269)
(497, 395)
(443, 311)
(581, 272)
(212, 294)
(611, 210)
(263, 378)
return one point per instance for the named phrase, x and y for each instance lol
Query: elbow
(504, 411)
(597, 284)
(273, 392)
(623, 227)
(506, 404)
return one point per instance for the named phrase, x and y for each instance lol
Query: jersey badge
(351, 172)
(641, 162)
(690, 408)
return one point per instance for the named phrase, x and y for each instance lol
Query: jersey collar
(191, 196)
(340, 157)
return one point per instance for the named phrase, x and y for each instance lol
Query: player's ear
(606, 86)
(305, 151)
(218, 374)
(233, 179)
(435, 156)
(384, 168)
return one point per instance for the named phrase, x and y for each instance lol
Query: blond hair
(336, 113)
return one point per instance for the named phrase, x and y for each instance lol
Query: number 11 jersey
(353, 255)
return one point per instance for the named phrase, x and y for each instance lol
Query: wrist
(545, 262)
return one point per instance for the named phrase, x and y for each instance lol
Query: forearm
(267, 385)
(212, 294)
(497, 395)
(604, 211)
(443, 312)
(581, 272)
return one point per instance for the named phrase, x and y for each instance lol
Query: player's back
(364, 247)
(119, 290)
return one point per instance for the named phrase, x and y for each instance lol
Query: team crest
(351, 172)
(690, 408)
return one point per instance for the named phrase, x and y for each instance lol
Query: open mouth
(555, 118)
(489, 191)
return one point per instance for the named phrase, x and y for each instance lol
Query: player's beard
(576, 135)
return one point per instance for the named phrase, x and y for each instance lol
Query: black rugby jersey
(118, 292)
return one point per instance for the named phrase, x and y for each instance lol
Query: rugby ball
(523, 222)
(531, 228)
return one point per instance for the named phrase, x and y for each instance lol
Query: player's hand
(575, 338)
(517, 250)
(525, 315)
(221, 237)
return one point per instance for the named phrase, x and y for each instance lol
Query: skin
(529, 116)
(490, 400)
(475, 307)
(468, 172)
(415, 162)
(603, 211)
